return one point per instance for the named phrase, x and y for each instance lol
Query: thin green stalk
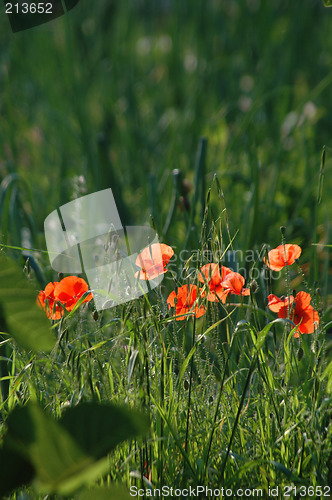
(283, 229)
(207, 454)
(314, 258)
(251, 370)
(199, 186)
(177, 179)
(161, 441)
(190, 387)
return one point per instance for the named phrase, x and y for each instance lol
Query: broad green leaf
(46, 445)
(26, 322)
(281, 467)
(17, 472)
(328, 373)
(70, 452)
(99, 428)
(103, 493)
(259, 340)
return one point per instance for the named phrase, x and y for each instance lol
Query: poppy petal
(225, 271)
(153, 260)
(303, 300)
(275, 304)
(211, 274)
(303, 314)
(282, 255)
(47, 301)
(185, 302)
(234, 282)
(219, 293)
(69, 291)
(293, 253)
(274, 261)
(171, 299)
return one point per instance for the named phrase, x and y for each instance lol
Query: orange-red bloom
(221, 285)
(302, 313)
(70, 290)
(153, 260)
(67, 292)
(46, 300)
(234, 283)
(184, 302)
(210, 273)
(282, 255)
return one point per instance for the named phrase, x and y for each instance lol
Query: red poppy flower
(210, 273)
(70, 290)
(48, 295)
(302, 313)
(275, 304)
(234, 283)
(153, 260)
(185, 302)
(282, 255)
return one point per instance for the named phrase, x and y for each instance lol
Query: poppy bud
(95, 315)
(283, 230)
(184, 204)
(180, 203)
(153, 224)
(253, 286)
(300, 354)
(60, 276)
(186, 186)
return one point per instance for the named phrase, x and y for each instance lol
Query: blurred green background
(118, 93)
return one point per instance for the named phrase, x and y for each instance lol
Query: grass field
(211, 122)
